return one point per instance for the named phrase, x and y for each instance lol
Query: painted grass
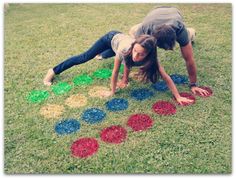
(197, 139)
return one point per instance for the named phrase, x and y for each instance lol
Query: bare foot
(98, 57)
(49, 77)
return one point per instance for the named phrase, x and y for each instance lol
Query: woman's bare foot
(98, 57)
(49, 77)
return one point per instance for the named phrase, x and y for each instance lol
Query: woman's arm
(125, 79)
(172, 87)
(115, 74)
(169, 82)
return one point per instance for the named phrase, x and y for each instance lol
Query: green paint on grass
(37, 96)
(83, 80)
(61, 88)
(121, 70)
(102, 73)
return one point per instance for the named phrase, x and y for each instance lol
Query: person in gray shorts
(167, 26)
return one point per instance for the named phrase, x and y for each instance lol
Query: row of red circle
(85, 147)
(116, 134)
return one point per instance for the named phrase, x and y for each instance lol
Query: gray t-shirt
(168, 16)
(121, 45)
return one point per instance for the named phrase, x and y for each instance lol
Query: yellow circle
(52, 111)
(99, 92)
(76, 101)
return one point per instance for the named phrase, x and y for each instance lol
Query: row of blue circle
(95, 115)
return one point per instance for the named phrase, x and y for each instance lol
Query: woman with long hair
(133, 52)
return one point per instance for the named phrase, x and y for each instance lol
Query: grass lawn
(197, 139)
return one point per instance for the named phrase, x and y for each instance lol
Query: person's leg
(104, 43)
(191, 34)
(134, 29)
(99, 46)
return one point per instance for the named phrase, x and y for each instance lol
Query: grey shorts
(182, 37)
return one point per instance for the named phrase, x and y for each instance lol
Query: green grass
(197, 139)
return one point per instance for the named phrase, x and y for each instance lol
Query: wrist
(193, 85)
(125, 80)
(177, 96)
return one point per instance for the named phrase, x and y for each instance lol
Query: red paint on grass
(84, 147)
(187, 95)
(205, 88)
(164, 108)
(113, 134)
(140, 122)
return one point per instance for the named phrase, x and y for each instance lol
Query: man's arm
(187, 53)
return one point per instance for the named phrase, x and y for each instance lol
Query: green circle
(102, 73)
(121, 68)
(61, 88)
(83, 80)
(37, 96)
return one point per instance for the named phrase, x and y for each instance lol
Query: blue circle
(160, 86)
(67, 126)
(93, 115)
(141, 94)
(117, 104)
(179, 79)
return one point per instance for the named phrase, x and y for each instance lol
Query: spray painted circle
(179, 79)
(61, 88)
(99, 92)
(164, 108)
(102, 73)
(117, 104)
(93, 115)
(52, 111)
(76, 101)
(113, 134)
(205, 88)
(83, 80)
(67, 126)
(140, 122)
(135, 75)
(141, 94)
(37, 96)
(160, 86)
(187, 95)
(84, 147)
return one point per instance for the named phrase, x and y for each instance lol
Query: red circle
(164, 108)
(205, 88)
(113, 134)
(84, 147)
(140, 122)
(187, 95)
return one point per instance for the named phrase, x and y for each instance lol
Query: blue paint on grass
(179, 79)
(160, 86)
(67, 126)
(117, 104)
(93, 115)
(141, 94)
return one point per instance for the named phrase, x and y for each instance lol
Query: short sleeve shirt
(121, 45)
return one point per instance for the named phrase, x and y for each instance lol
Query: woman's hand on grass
(121, 84)
(182, 100)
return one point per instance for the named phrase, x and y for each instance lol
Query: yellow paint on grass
(52, 111)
